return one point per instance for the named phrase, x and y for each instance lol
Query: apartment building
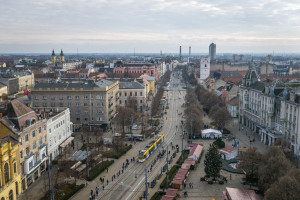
(59, 130)
(30, 130)
(90, 102)
(290, 116)
(17, 81)
(135, 90)
(10, 178)
(271, 109)
(134, 70)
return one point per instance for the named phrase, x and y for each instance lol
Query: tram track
(131, 181)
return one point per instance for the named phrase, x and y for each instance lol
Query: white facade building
(204, 68)
(58, 132)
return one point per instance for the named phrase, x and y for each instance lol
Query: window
(15, 167)
(135, 94)
(69, 104)
(85, 104)
(40, 141)
(125, 102)
(40, 129)
(45, 104)
(11, 195)
(77, 112)
(6, 173)
(21, 154)
(61, 98)
(120, 101)
(27, 151)
(52, 98)
(33, 133)
(44, 98)
(61, 104)
(52, 104)
(33, 145)
(26, 138)
(141, 94)
(77, 104)
(86, 119)
(131, 94)
(99, 104)
(36, 97)
(141, 101)
(99, 97)
(125, 94)
(49, 130)
(69, 97)
(99, 119)
(120, 94)
(85, 97)
(99, 111)
(78, 119)
(77, 97)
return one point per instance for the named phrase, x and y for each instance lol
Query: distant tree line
(161, 83)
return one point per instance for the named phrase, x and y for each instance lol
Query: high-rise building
(212, 51)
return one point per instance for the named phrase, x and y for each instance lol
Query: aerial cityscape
(149, 100)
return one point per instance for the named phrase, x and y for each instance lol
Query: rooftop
(130, 85)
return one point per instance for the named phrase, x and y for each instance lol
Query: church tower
(62, 57)
(204, 68)
(53, 57)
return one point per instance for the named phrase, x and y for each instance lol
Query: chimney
(180, 53)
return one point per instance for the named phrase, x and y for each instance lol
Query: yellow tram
(150, 148)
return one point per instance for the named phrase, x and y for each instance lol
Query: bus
(150, 148)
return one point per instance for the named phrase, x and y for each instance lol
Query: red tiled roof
(171, 192)
(240, 194)
(233, 79)
(84, 70)
(227, 150)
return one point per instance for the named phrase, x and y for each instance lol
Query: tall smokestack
(180, 53)
(190, 50)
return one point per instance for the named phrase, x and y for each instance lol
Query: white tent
(211, 133)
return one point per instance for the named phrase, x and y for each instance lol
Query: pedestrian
(112, 178)
(106, 169)
(184, 185)
(91, 197)
(107, 181)
(94, 196)
(103, 187)
(122, 171)
(190, 184)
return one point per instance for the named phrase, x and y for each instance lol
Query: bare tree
(274, 166)
(249, 163)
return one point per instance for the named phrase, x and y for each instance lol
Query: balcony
(110, 105)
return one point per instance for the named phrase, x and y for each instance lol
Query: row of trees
(213, 105)
(159, 94)
(274, 173)
(193, 113)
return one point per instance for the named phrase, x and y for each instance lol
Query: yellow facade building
(10, 179)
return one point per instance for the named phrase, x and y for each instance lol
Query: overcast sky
(109, 26)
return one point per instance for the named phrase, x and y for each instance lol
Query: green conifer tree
(213, 162)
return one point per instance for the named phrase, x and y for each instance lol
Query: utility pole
(167, 183)
(182, 147)
(146, 184)
(50, 182)
(191, 123)
(87, 155)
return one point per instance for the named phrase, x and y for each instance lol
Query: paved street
(130, 184)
